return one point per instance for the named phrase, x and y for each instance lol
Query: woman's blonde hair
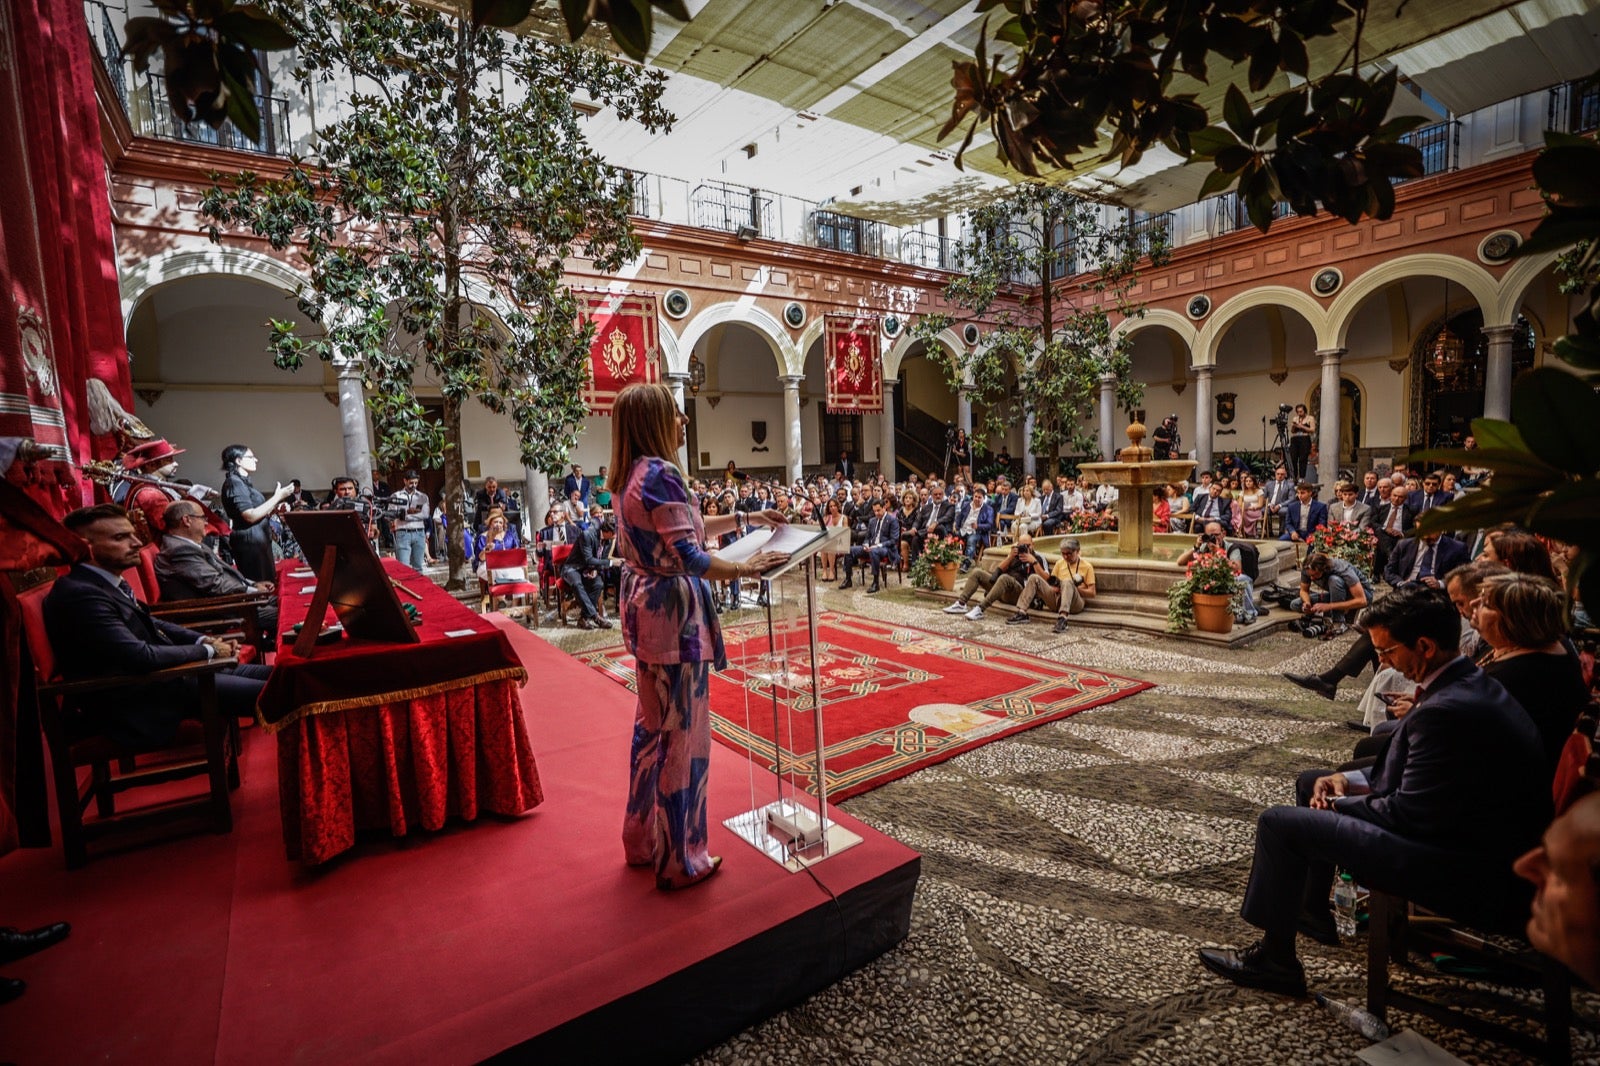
(1532, 609)
(644, 421)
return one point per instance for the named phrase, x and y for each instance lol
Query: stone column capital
(792, 381)
(1330, 355)
(1204, 370)
(1498, 333)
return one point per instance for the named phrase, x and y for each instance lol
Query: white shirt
(1072, 501)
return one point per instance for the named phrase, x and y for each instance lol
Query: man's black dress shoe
(1320, 685)
(1252, 968)
(16, 944)
(1359, 727)
(11, 988)
(1318, 927)
(587, 623)
(846, 583)
(874, 587)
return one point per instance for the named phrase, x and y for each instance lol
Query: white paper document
(1408, 1048)
(787, 539)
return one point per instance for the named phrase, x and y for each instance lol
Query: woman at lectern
(669, 624)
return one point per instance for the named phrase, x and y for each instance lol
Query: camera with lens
(949, 432)
(1281, 419)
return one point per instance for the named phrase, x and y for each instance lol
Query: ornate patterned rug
(895, 698)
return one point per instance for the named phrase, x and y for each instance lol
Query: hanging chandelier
(1445, 357)
(697, 375)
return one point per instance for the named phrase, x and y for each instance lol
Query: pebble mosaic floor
(1070, 873)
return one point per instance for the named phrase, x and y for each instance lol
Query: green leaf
(507, 13)
(1561, 229)
(252, 27)
(1236, 113)
(1215, 182)
(1493, 433)
(1011, 32)
(1295, 60)
(1558, 417)
(1211, 140)
(1568, 172)
(630, 27)
(676, 9)
(576, 14)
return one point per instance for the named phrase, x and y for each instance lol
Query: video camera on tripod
(1281, 419)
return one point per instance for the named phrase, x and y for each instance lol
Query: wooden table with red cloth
(373, 735)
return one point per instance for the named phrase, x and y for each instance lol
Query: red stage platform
(522, 937)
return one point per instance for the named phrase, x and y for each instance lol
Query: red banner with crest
(626, 346)
(853, 367)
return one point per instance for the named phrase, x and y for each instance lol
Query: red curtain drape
(60, 313)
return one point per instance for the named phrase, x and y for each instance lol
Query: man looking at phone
(1066, 591)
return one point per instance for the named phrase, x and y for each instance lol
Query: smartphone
(1389, 698)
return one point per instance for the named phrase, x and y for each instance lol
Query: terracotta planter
(1213, 613)
(945, 575)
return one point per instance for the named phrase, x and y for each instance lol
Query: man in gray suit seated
(189, 570)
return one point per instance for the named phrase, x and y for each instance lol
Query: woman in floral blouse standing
(669, 624)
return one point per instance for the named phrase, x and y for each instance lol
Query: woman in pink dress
(669, 624)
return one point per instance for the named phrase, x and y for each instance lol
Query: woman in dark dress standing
(248, 512)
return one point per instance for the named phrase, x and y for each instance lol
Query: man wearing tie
(1209, 508)
(1369, 493)
(1349, 511)
(188, 569)
(1428, 497)
(1005, 504)
(98, 629)
(1424, 560)
(935, 519)
(882, 544)
(1280, 490)
(1393, 523)
(1052, 508)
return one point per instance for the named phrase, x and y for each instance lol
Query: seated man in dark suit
(1462, 790)
(583, 573)
(936, 518)
(1424, 560)
(1393, 522)
(98, 629)
(880, 545)
(189, 570)
(1303, 514)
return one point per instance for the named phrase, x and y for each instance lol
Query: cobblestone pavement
(1070, 872)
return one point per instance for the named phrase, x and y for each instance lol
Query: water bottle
(1344, 906)
(1362, 1021)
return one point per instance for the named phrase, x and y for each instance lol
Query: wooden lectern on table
(350, 577)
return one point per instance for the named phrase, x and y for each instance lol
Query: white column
(1028, 464)
(1108, 414)
(535, 498)
(964, 411)
(676, 382)
(886, 430)
(1328, 421)
(353, 422)
(792, 443)
(1203, 410)
(1497, 372)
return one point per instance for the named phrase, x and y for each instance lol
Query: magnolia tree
(436, 218)
(1051, 280)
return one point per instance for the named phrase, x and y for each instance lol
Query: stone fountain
(1135, 566)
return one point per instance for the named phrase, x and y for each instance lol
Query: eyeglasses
(1385, 652)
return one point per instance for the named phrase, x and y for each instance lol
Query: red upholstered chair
(507, 570)
(237, 615)
(206, 747)
(550, 582)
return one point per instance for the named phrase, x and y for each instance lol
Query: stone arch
(948, 339)
(137, 282)
(1470, 276)
(1204, 348)
(789, 359)
(1158, 316)
(1514, 288)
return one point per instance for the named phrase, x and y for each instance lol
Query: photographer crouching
(1213, 541)
(1324, 610)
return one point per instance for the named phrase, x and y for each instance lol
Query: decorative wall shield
(853, 369)
(626, 346)
(1225, 407)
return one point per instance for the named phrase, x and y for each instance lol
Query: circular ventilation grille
(1499, 246)
(892, 325)
(794, 314)
(1199, 306)
(969, 333)
(1326, 282)
(677, 303)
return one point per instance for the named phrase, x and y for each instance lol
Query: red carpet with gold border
(895, 698)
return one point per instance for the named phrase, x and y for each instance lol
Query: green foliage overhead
(1565, 172)
(438, 215)
(1085, 67)
(1055, 338)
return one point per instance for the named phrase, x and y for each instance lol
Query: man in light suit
(1280, 491)
(1348, 510)
(1461, 791)
(189, 570)
(1303, 514)
(881, 545)
(1424, 560)
(98, 629)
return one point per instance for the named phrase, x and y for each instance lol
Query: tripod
(1280, 448)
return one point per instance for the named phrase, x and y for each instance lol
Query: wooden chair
(236, 615)
(207, 746)
(551, 584)
(507, 563)
(1394, 929)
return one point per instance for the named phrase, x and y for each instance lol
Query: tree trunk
(455, 500)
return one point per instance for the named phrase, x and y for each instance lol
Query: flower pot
(945, 575)
(1213, 613)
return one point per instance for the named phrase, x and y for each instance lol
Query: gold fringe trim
(514, 673)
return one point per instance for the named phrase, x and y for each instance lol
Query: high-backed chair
(507, 575)
(207, 746)
(235, 615)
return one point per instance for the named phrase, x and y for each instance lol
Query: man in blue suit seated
(1424, 560)
(98, 629)
(1462, 790)
(1303, 513)
(880, 546)
(974, 524)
